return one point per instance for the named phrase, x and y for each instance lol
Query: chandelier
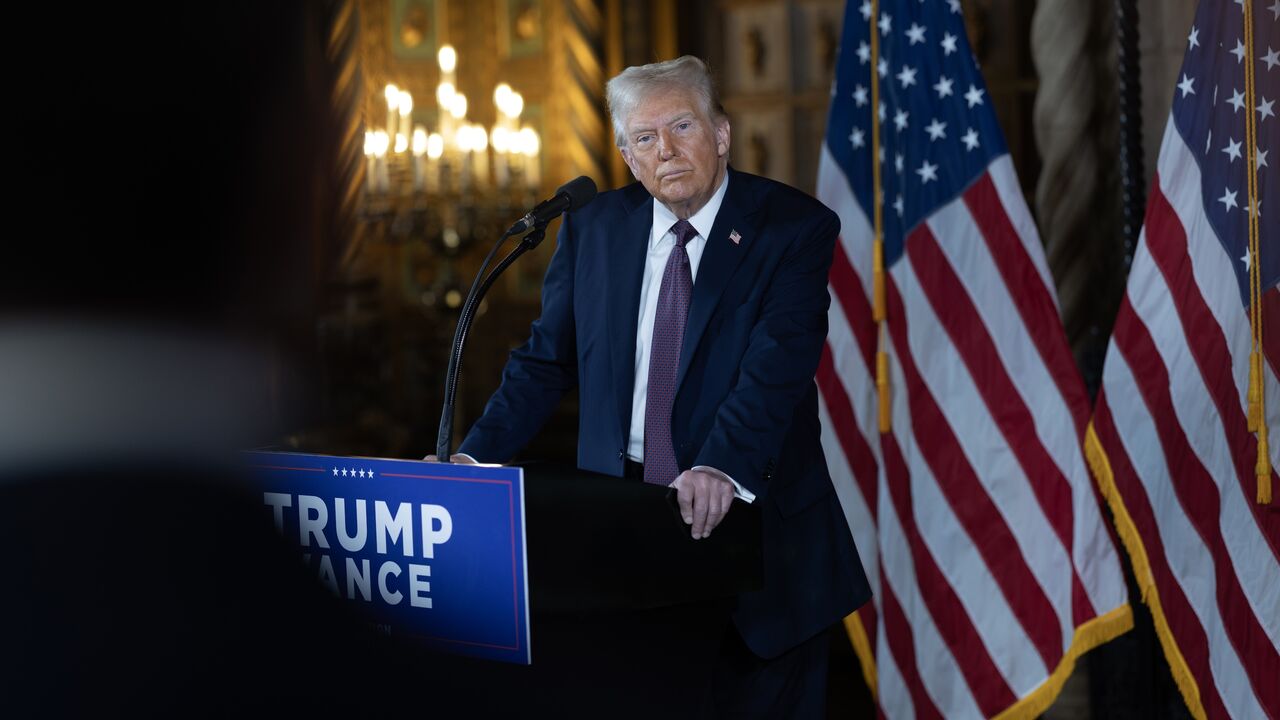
(453, 183)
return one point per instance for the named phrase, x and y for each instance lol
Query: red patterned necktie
(664, 359)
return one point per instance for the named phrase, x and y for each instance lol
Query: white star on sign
(370, 473)
(1272, 58)
(927, 172)
(1260, 160)
(1228, 199)
(943, 86)
(344, 472)
(907, 77)
(864, 53)
(900, 119)
(886, 23)
(974, 96)
(335, 472)
(915, 34)
(970, 139)
(1238, 52)
(1187, 86)
(1237, 100)
(860, 95)
(856, 138)
(936, 129)
(949, 42)
(1265, 109)
(1194, 38)
(1232, 149)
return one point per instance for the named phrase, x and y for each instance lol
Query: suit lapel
(720, 258)
(628, 253)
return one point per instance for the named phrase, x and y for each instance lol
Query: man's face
(675, 150)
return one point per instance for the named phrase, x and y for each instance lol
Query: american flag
(975, 514)
(1170, 438)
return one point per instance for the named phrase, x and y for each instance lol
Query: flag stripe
(941, 662)
(1178, 179)
(855, 377)
(891, 684)
(957, 314)
(852, 297)
(1183, 624)
(1167, 244)
(901, 645)
(1032, 298)
(856, 450)
(1271, 330)
(1198, 498)
(964, 248)
(1004, 181)
(974, 510)
(996, 508)
(1189, 560)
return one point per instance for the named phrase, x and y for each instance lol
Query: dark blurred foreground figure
(147, 310)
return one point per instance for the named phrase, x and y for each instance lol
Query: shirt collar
(702, 221)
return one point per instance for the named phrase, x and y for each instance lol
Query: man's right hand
(455, 458)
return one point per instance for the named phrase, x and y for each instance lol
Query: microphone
(569, 196)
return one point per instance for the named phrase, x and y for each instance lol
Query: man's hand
(704, 500)
(456, 458)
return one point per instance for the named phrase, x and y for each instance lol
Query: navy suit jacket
(746, 402)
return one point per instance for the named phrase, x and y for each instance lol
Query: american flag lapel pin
(735, 237)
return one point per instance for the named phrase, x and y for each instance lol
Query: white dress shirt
(661, 242)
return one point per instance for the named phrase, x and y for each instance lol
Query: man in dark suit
(690, 310)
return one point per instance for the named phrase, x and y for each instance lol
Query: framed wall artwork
(414, 29)
(520, 28)
(757, 49)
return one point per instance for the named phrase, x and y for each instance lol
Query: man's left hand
(704, 500)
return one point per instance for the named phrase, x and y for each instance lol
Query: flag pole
(1132, 181)
(877, 203)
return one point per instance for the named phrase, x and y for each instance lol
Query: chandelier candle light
(461, 156)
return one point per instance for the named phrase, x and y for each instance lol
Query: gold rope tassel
(1257, 416)
(882, 387)
(1255, 390)
(1264, 468)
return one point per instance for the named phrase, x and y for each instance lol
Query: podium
(603, 543)
(620, 599)
(628, 611)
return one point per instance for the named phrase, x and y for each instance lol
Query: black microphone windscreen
(580, 190)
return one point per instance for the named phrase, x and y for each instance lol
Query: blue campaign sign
(432, 551)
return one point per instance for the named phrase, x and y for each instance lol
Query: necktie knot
(683, 231)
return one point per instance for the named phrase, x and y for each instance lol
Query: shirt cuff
(738, 491)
